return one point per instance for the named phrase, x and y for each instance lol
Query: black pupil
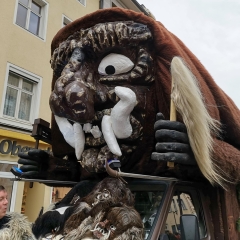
(110, 69)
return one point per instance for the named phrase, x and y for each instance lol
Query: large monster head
(111, 77)
(99, 100)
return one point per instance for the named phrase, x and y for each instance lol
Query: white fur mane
(188, 101)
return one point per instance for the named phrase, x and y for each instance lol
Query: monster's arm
(39, 164)
(172, 145)
(172, 142)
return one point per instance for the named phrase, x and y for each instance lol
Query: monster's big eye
(114, 64)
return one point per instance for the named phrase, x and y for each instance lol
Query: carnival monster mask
(110, 191)
(99, 97)
(119, 223)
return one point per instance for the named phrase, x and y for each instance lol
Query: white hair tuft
(188, 100)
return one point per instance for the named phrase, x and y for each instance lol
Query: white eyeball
(114, 64)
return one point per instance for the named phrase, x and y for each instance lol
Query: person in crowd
(177, 235)
(170, 235)
(13, 225)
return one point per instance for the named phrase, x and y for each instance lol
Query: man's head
(3, 202)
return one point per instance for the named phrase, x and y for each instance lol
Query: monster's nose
(104, 224)
(80, 100)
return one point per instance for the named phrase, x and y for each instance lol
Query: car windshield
(148, 198)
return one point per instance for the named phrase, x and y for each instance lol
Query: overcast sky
(211, 30)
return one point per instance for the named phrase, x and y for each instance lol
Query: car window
(184, 202)
(148, 199)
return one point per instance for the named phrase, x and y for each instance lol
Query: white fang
(120, 114)
(79, 139)
(109, 136)
(66, 129)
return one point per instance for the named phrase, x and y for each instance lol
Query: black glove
(34, 163)
(40, 164)
(172, 142)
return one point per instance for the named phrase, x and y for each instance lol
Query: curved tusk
(109, 136)
(66, 129)
(79, 138)
(120, 114)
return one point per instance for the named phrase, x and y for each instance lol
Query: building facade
(27, 29)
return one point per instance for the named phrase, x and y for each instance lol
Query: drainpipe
(101, 4)
(140, 7)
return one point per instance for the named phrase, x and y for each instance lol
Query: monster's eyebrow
(100, 37)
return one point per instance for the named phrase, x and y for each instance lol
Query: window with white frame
(65, 21)
(18, 99)
(32, 15)
(83, 2)
(21, 99)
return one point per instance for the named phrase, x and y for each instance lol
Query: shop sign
(11, 147)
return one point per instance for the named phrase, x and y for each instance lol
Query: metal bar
(43, 181)
(37, 143)
(119, 174)
(133, 175)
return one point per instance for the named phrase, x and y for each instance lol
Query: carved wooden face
(99, 98)
(119, 223)
(108, 192)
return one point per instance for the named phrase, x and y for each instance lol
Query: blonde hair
(188, 101)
